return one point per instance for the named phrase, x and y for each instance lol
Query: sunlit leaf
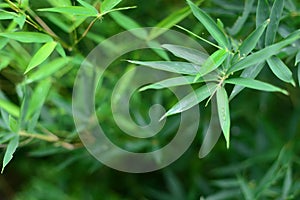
(210, 25)
(27, 37)
(212, 63)
(223, 112)
(189, 54)
(107, 5)
(10, 150)
(72, 10)
(47, 69)
(275, 17)
(7, 15)
(255, 84)
(280, 69)
(175, 67)
(10, 107)
(41, 55)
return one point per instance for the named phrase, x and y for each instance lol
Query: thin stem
(48, 138)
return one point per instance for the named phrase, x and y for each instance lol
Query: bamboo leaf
(107, 5)
(41, 55)
(10, 107)
(191, 99)
(212, 63)
(262, 14)
(223, 112)
(255, 84)
(247, 192)
(176, 81)
(288, 183)
(238, 25)
(88, 6)
(72, 10)
(7, 15)
(189, 54)
(11, 148)
(170, 66)
(281, 70)
(265, 53)
(251, 73)
(47, 69)
(210, 25)
(297, 60)
(299, 74)
(251, 41)
(27, 37)
(275, 17)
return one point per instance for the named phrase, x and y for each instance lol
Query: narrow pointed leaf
(262, 14)
(299, 74)
(171, 21)
(223, 112)
(255, 84)
(288, 183)
(9, 107)
(88, 6)
(275, 17)
(107, 5)
(72, 10)
(265, 53)
(11, 148)
(247, 192)
(281, 70)
(251, 41)
(177, 81)
(191, 99)
(251, 73)
(210, 25)
(297, 60)
(212, 63)
(7, 15)
(27, 37)
(47, 69)
(238, 25)
(41, 55)
(175, 67)
(189, 54)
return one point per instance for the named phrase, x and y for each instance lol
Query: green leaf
(11, 148)
(3, 42)
(41, 55)
(255, 84)
(210, 25)
(275, 17)
(247, 192)
(281, 70)
(288, 183)
(60, 50)
(7, 15)
(191, 99)
(265, 53)
(212, 63)
(20, 20)
(176, 81)
(171, 21)
(299, 74)
(107, 5)
(170, 66)
(223, 112)
(189, 54)
(38, 97)
(251, 73)
(27, 37)
(251, 41)
(13, 124)
(47, 69)
(238, 25)
(297, 60)
(88, 6)
(262, 14)
(10, 107)
(72, 10)
(128, 24)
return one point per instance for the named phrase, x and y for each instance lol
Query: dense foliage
(252, 44)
